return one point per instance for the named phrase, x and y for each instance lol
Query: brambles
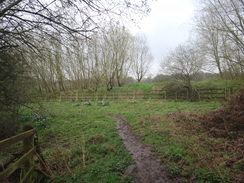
(230, 117)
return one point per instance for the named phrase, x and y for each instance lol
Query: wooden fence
(184, 94)
(25, 160)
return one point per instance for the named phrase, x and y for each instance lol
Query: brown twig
(45, 165)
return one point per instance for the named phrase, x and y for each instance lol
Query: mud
(146, 167)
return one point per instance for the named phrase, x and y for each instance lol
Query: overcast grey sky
(168, 25)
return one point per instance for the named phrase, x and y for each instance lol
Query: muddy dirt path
(146, 167)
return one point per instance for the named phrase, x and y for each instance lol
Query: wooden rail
(26, 161)
(194, 95)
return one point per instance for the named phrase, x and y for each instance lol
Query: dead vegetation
(227, 123)
(229, 119)
(214, 140)
(225, 140)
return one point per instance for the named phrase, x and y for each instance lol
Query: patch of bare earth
(146, 167)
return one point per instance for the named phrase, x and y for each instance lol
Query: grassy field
(81, 143)
(236, 84)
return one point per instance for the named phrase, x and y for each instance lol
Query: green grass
(82, 143)
(236, 84)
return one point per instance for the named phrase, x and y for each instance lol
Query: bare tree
(230, 15)
(220, 27)
(47, 67)
(76, 63)
(141, 57)
(115, 45)
(209, 39)
(96, 60)
(184, 63)
(24, 20)
(88, 64)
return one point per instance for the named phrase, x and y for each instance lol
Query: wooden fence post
(26, 161)
(76, 97)
(104, 97)
(60, 97)
(187, 95)
(225, 93)
(231, 91)
(96, 100)
(199, 96)
(29, 164)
